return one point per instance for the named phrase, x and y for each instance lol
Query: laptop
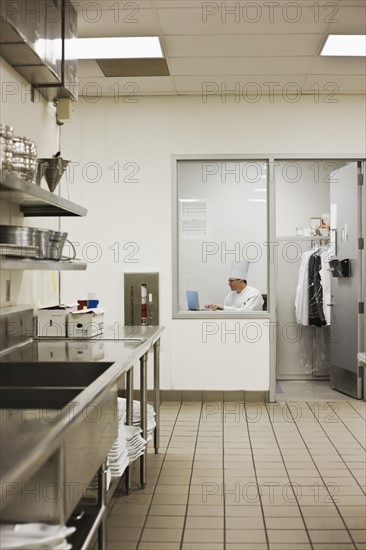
(193, 300)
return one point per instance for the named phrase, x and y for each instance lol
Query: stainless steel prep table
(22, 453)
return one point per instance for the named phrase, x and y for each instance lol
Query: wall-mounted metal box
(141, 298)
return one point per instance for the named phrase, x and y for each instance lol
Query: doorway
(319, 216)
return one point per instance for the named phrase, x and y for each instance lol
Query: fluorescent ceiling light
(260, 190)
(257, 200)
(127, 47)
(189, 200)
(345, 44)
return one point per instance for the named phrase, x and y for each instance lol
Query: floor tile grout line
(320, 475)
(356, 411)
(223, 469)
(255, 473)
(339, 454)
(190, 481)
(345, 425)
(289, 478)
(157, 480)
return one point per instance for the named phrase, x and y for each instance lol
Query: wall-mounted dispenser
(141, 292)
(340, 268)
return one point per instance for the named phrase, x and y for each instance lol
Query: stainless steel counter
(31, 438)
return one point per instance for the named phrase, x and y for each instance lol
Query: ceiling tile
(338, 65)
(86, 6)
(129, 88)
(88, 68)
(237, 46)
(352, 20)
(252, 18)
(239, 65)
(239, 87)
(334, 84)
(109, 22)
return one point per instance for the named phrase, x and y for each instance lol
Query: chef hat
(239, 270)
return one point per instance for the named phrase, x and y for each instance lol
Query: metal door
(346, 197)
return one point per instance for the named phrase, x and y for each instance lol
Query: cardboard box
(52, 321)
(86, 323)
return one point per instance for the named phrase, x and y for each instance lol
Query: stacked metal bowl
(18, 155)
(6, 147)
(26, 240)
(24, 160)
(31, 242)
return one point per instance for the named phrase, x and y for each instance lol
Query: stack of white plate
(129, 444)
(117, 456)
(40, 536)
(136, 421)
(136, 445)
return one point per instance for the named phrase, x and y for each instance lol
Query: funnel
(52, 169)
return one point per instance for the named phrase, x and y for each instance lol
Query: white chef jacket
(249, 299)
(326, 255)
(302, 289)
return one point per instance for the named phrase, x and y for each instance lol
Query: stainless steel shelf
(35, 201)
(40, 265)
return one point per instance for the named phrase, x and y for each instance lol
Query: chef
(241, 297)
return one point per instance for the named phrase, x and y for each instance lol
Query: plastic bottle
(150, 310)
(143, 304)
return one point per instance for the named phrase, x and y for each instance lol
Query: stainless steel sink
(50, 374)
(90, 429)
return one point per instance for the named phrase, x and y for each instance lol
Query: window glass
(222, 217)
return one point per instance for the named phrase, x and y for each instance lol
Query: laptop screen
(192, 300)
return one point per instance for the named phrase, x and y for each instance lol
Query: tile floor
(277, 476)
(305, 390)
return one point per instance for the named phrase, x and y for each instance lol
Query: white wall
(141, 137)
(37, 122)
(305, 186)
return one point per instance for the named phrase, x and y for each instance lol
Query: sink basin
(86, 438)
(30, 398)
(50, 374)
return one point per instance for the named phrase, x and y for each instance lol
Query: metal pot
(56, 244)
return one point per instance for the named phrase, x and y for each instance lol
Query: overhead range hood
(33, 34)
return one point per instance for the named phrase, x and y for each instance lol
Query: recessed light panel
(127, 47)
(345, 45)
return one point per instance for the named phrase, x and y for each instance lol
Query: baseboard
(205, 396)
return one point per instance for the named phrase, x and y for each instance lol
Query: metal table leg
(157, 394)
(102, 498)
(143, 412)
(129, 417)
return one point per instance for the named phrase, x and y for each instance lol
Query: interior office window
(222, 216)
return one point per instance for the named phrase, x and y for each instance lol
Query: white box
(52, 321)
(86, 323)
